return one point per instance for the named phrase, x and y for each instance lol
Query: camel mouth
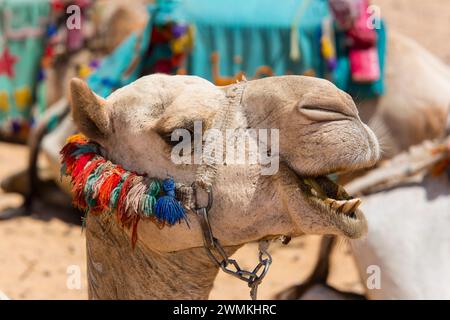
(332, 199)
(333, 195)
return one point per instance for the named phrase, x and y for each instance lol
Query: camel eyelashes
(167, 135)
(168, 139)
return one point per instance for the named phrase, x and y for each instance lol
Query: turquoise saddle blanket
(253, 37)
(249, 34)
(22, 32)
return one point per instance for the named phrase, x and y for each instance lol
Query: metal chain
(252, 278)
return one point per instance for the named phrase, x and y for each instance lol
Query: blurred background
(111, 43)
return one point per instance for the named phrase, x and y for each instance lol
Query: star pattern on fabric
(7, 61)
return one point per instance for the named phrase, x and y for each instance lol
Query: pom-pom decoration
(101, 187)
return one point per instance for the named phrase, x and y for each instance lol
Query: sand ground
(36, 251)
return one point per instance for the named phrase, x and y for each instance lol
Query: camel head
(319, 133)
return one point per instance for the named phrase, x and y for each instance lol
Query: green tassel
(116, 192)
(148, 200)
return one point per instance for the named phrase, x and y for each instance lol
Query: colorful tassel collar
(101, 187)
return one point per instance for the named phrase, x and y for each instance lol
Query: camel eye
(179, 135)
(167, 137)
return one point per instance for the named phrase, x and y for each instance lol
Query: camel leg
(58, 111)
(27, 182)
(16, 183)
(318, 276)
(315, 286)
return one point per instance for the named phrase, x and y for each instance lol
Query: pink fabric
(364, 64)
(361, 35)
(363, 53)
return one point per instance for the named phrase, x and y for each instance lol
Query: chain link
(252, 278)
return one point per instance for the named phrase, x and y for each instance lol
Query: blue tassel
(168, 208)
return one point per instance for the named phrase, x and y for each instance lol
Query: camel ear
(88, 110)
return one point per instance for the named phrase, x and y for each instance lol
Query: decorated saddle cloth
(161, 47)
(123, 65)
(22, 31)
(258, 38)
(218, 40)
(224, 40)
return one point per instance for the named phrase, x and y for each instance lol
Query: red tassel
(80, 167)
(106, 189)
(80, 181)
(121, 203)
(134, 235)
(81, 163)
(67, 158)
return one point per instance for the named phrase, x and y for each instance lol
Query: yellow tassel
(4, 104)
(84, 71)
(327, 48)
(22, 97)
(75, 138)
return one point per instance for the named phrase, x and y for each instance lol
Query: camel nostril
(327, 107)
(319, 114)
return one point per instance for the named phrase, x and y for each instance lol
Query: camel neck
(116, 271)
